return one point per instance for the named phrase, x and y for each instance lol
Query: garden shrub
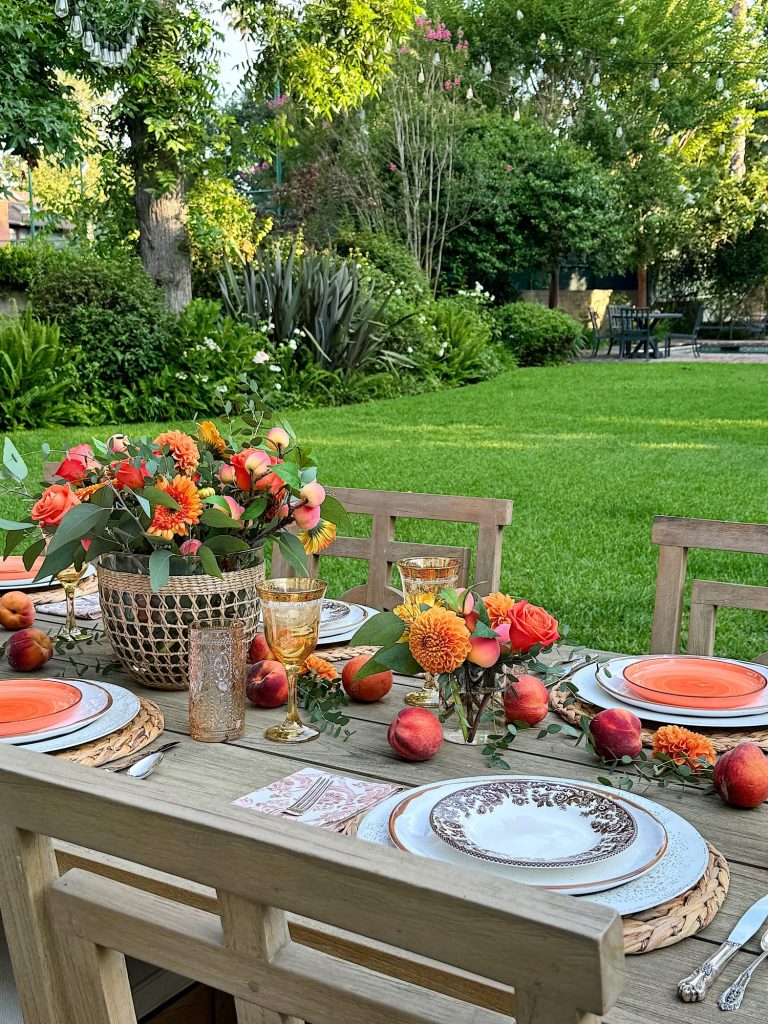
(39, 383)
(109, 307)
(538, 336)
(20, 262)
(466, 353)
(387, 254)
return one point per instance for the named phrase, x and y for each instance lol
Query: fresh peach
(485, 651)
(190, 547)
(266, 684)
(16, 610)
(257, 462)
(260, 650)
(741, 776)
(29, 649)
(526, 700)
(616, 733)
(278, 438)
(313, 493)
(370, 688)
(227, 474)
(307, 516)
(415, 735)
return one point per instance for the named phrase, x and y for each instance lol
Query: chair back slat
(675, 537)
(382, 551)
(533, 941)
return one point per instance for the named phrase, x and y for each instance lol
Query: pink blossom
(448, 84)
(190, 547)
(278, 101)
(419, 21)
(403, 49)
(264, 165)
(393, 167)
(457, 80)
(235, 508)
(509, 167)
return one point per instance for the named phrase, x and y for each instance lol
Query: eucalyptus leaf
(293, 551)
(381, 630)
(32, 552)
(79, 522)
(208, 558)
(334, 512)
(9, 524)
(159, 568)
(221, 520)
(158, 497)
(13, 461)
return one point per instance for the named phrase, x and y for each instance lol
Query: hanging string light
(655, 83)
(487, 69)
(596, 78)
(719, 84)
(520, 15)
(470, 93)
(422, 78)
(107, 52)
(516, 115)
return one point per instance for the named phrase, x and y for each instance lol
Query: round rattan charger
(145, 727)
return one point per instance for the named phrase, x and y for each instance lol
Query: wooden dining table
(230, 770)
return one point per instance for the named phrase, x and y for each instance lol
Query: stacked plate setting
(688, 690)
(48, 715)
(340, 621)
(570, 837)
(13, 575)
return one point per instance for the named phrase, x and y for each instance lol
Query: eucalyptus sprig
(325, 701)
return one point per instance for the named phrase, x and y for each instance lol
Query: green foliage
(109, 307)
(465, 354)
(538, 336)
(39, 382)
(388, 255)
(21, 262)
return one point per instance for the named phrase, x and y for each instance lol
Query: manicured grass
(589, 453)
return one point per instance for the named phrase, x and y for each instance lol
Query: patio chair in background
(691, 339)
(615, 328)
(382, 551)
(675, 536)
(636, 331)
(68, 936)
(596, 339)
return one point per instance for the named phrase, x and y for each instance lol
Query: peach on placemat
(266, 684)
(28, 650)
(526, 700)
(16, 610)
(616, 733)
(741, 776)
(260, 650)
(415, 735)
(368, 689)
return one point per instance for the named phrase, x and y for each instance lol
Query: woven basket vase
(149, 631)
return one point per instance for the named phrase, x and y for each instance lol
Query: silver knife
(695, 987)
(135, 758)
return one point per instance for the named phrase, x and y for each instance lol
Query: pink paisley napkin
(345, 799)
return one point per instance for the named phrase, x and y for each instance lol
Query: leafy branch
(325, 700)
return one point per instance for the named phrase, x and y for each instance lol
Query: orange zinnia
(209, 434)
(322, 668)
(683, 746)
(498, 606)
(184, 451)
(439, 640)
(318, 538)
(169, 521)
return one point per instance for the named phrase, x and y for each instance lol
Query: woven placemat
(722, 739)
(52, 594)
(145, 727)
(342, 653)
(685, 915)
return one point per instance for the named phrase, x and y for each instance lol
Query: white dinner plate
(585, 681)
(534, 823)
(337, 616)
(679, 868)
(617, 686)
(125, 706)
(95, 702)
(29, 583)
(342, 638)
(410, 829)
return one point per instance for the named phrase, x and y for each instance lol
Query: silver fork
(732, 998)
(310, 798)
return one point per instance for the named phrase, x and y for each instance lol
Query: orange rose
(130, 476)
(242, 475)
(54, 504)
(530, 625)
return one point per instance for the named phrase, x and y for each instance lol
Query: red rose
(77, 463)
(54, 504)
(242, 475)
(530, 625)
(129, 475)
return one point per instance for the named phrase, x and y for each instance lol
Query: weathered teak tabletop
(227, 771)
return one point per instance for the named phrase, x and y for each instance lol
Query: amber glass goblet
(290, 611)
(69, 579)
(421, 577)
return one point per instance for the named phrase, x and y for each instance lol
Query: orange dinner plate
(13, 569)
(692, 682)
(31, 706)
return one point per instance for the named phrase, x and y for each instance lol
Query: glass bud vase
(472, 707)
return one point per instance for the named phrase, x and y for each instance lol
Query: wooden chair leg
(535, 1007)
(98, 983)
(668, 607)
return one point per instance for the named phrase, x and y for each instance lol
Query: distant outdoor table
(230, 770)
(655, 318)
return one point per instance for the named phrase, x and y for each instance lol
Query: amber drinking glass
(290, 611)
(421, 577)
(69, 579)
(217, 651)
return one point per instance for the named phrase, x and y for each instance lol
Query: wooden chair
(595, 327)
(691, 339)
(675, 537)
(68, 935)
(382, 551)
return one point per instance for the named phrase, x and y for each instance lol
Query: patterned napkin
(345, 800)
(87, 607)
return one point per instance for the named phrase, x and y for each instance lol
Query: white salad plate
(410, 829)
(338, 616)
(125, 707)
(29, 583)
(678, 869)
(347, 634)
(94, 703)
(530, 823)
(585, 681)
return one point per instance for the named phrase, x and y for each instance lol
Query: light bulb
(76, 27)
(369, 58)
(436, 58)
(717, 207)
(421, 77)
(763, 207)
(96, 50)
(470, 93)
(61, 7)
(719, 84)
(619, 132)
(342, 33)
(596, 78)
(543, 37)
(487, 69)
(670, 140)
(516, 115)
(721, 148)
(620, 19)
(87, 42)
(655, 83)
(520, 15)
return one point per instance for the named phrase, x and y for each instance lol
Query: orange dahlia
(498, 606)
(184, 451)
(439, 640)
(683, 746)
(169, 521)
(322, 668)
(318, 538)
(84, 493)
(413, 606)
(209, 434)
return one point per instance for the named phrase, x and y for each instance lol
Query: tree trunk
(554, 287)
(163, 240)
(738, 166)
(642, 285)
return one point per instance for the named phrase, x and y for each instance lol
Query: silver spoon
(732, 997)
(146, 766)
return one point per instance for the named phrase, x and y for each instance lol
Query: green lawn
(589, 453)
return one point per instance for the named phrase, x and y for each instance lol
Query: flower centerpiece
(477, 647)
(177, 526)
